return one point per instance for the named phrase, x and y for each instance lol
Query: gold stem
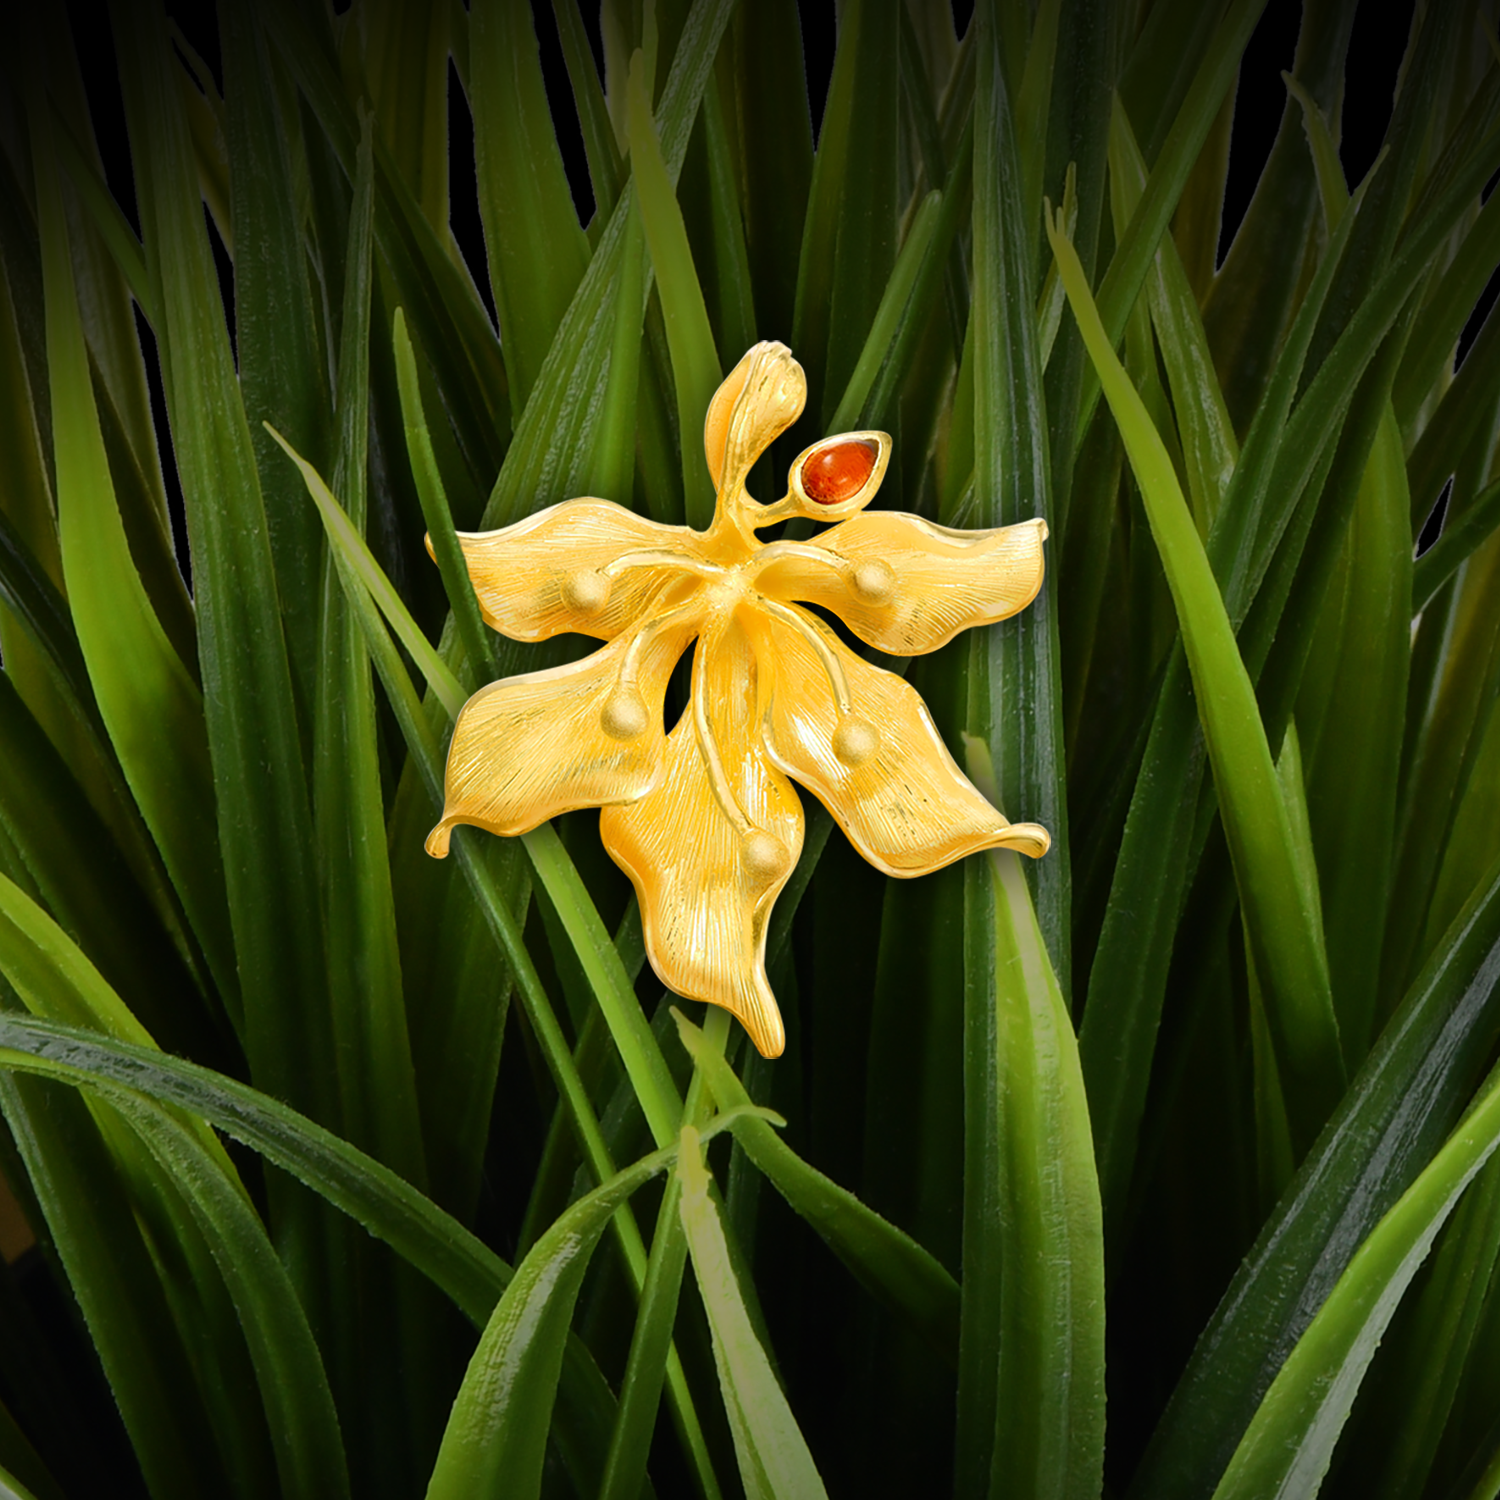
(661, 558)
(831, 664)
(723, 793)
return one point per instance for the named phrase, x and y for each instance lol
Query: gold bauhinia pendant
(703, 818)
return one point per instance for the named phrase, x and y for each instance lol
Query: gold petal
(759, 399)
(546, 575)
(905, 585)
(527, 748)
(711, 845)
(861, 740)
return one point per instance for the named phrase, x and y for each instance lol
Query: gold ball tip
(764, 855)
(624, 715)
(874, 581)
(586, 591)
(437, 841)
(855, 741)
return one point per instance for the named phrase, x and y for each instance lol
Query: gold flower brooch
(703, 818)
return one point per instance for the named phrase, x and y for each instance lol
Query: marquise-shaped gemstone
(838, 472)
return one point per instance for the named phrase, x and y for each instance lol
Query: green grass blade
(589, 936)
(1031, 1371)
(537, 251)
(440, 533)
(1285, 935)
(254, 741)
(776, 153)
(108, 317)
(1128, 978)
(355, 556)
(496, 1437)
(86, 884)
(734, 300)
(447, 317)
(849, 235)
(1287, 1447)
(403, 46)
(149, 703)
(108, 218)
(773, 1457)
(1209, 447)
(551, 457)
(580, 917)
(1137, 247)
(613, 473)
(593, 113)
(293, 1386)
(890, 316)
(1015, 691)
(377, 1088)
(1443, 760)
(611, 985)
(1406, 1098)
(95, 1234)
(651, 1339)
(385, 1204)
(891, 1265)
(695, 360)
(1448, 308)
(282, 362)
(1425, 1354)
(1355, 764)
(1457, 543)
(390, 1208)
(1254, 298)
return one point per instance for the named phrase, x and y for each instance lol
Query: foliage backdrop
(1163, 1168)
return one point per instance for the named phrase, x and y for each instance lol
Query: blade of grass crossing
(1285, 935)
(1015, 691)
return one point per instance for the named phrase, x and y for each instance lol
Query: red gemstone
(836, 472)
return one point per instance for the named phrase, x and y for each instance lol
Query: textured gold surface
(704, 819)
